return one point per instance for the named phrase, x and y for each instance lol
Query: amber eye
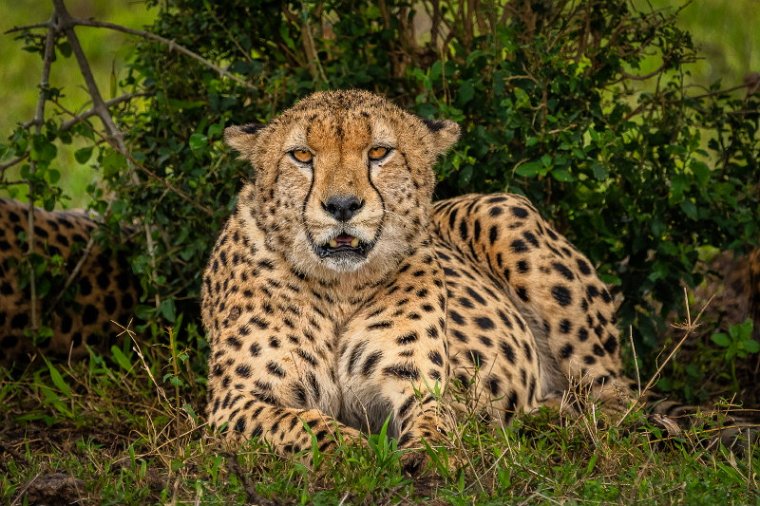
(377, 153)
(302, 155)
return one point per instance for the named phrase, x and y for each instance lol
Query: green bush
(580, 105)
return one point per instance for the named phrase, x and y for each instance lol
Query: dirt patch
(53, 489)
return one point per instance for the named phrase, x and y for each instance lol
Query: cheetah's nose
(342, 207)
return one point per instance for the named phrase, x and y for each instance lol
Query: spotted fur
(476, 293)
(103, 291)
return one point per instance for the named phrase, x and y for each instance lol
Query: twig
(18, 497)
(644, 77)
(78, 118)
(307, 41)
(21, 28)
(13, 161)
(635, 359)
(70, 21)
(39, 117)
(689, 327)
(78, 267)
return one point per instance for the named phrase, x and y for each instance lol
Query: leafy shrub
(580, 105)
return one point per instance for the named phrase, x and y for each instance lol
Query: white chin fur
(343, 265)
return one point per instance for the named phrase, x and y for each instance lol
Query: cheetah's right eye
(302, 155)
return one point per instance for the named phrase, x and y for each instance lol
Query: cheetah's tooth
(354, 242)
(333, 243)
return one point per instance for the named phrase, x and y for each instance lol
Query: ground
(113, 431)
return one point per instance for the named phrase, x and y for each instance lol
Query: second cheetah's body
(338, 295)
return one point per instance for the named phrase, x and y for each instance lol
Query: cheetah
(338, 296)
(77, 309)
(731, 290)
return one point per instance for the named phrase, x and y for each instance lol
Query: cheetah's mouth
(344, 245)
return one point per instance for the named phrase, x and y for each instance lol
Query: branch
(633, 77)
(13, 161)
(39, 117)
(22, 28)
(101, 110)
(92, 112)
(80, 117)
(66, 125)
(157, 38)
(70, 21)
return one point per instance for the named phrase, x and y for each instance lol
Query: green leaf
(111, 163)
(701, 172)
(742, 331)
(198, 141)
(83, 155)
(465, 175)
(562, 175)
(531, 169)
(600, 173)
(678, 185)
(53, 176)
(121, 358)
(721, 340)
(689, 209)
(42, 149)
(466, 92)
(65, 48)
(58, 380)
(167, 310)
(523, 100)
(751, 346)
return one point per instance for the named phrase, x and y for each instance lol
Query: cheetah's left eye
(377, 153)
(302, 155)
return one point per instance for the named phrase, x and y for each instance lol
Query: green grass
(126, 430)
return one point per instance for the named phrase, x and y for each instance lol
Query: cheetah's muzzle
(344, 246)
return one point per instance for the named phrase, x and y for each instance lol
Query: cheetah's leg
(393, 356)
(273, 389)
(287, 430)
(553, 285)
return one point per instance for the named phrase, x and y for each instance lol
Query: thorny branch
(13, 161)
(66, 25)
(39, 118)
(69, 123)
(77, 118)
(172, 45)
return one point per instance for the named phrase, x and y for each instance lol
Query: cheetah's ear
(242, 138)
(445, 133)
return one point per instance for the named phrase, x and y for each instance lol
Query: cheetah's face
(343, 180)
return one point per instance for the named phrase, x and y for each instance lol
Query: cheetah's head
(343, 180)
